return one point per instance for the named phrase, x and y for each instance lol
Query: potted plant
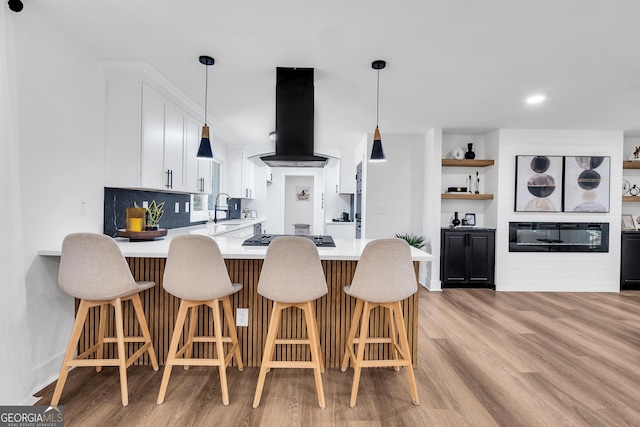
(153, 215)
(412, 239)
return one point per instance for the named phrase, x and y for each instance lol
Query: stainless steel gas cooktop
(265, 239)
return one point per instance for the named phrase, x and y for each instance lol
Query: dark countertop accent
(265, 239)
(468, 228)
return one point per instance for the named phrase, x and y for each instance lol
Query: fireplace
(558, 237)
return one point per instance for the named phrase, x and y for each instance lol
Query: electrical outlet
(186, 207)
(177, 208)
(242, 317)
(145, 204)
(83, 208)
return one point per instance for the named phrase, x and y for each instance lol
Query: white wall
(15, 346)
(528, 271)
(298, 211)
(276, 197)
(61, 102)
(430, 272)
(394, 189)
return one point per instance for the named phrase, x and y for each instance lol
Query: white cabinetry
(347, 173)
(240, 172)
(147, 137)
(341, 230)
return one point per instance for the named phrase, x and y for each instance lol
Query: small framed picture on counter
(471, 218)
(627, 222)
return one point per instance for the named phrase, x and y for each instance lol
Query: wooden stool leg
(228, 313)
(78, 324)
(314, 344)
(315, 324)
(393, 335)
(269, 348)
(364, 332)
(122, 356)
(144, 327)
(191, 331)
(103, 312)
(355, 319)
(173, 349)
(404, 345)
(222, 367)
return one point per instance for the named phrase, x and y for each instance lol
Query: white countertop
(231, 247)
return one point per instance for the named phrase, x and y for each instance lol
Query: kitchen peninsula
(244, 263)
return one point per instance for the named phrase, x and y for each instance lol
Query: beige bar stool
(384, 277)
(292, 276)
(196, 273)
(93, 270)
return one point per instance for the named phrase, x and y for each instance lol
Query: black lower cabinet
(467, 258)
(630, 266)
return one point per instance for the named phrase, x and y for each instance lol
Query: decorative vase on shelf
(470, 154)
(455, 222)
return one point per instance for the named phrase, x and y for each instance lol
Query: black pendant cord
(378, 100)
(206, 91)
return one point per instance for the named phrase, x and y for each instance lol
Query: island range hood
(294, 121)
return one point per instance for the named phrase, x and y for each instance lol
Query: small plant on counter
(153, 214)
(412, 239)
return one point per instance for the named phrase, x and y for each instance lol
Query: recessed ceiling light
(536, 99)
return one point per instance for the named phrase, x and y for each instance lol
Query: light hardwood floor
(485, 358)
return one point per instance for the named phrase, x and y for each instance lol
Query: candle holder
(135, 219)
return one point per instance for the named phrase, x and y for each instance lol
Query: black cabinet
(630, 267)
(467, 258)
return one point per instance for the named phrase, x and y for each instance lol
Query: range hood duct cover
(294, 120)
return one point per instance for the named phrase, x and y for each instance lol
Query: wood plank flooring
(484, 359)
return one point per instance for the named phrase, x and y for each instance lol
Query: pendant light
(15, 5)
(204, 151)
(377, 153)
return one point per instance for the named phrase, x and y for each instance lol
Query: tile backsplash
(116, 200)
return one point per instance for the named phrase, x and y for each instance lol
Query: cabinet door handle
(201, 185)
(336, 188)
(169, 178)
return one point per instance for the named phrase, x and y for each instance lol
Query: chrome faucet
(215, 207)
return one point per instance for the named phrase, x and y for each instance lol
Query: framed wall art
(302, 193)
(627, 222)
(586, 183)
(539, 183)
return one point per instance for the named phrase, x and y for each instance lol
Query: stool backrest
(292, 271)
(385, 272)
(92, 267)
(195, 269)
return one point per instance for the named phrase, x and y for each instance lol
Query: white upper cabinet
(347, 173)
(240, 173)
(151, 140)
(162, 143)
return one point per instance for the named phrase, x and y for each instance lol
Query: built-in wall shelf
(474, 163)
(631, 198)
(630, 165)
(468, 196)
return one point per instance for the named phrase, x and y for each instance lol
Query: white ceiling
(450, 63)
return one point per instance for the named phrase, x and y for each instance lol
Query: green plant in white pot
(153, 214)
(412, 239)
